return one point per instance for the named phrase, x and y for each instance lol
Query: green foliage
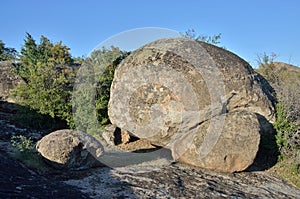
(286, 84)
(7, 54)
(23, 144)
(45, 67)
(27, 154)
(191, 34)
(104, 80)
(283, 127)
(92, 88)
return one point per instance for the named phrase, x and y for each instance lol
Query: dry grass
(289, 170)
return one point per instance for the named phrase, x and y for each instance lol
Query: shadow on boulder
(268, 152)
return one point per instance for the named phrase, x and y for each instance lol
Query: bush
(191, 34)
(23, 144)
(92, 89)
(285, 79)
(286, 131)
(27, 154)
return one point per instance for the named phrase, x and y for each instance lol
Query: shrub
(92, 89)
(23, 144)
(27, 154)
(285, 132)
(285, 79)
(191, 34)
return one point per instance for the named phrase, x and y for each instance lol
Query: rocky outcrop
(188, 96)
(182, 181)
(141, 181)
(17, 181)
(8, 79)
(70, 149)
(115, 136)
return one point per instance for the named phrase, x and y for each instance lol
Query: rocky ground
(181, 181)
(147, 180)
(17, 181)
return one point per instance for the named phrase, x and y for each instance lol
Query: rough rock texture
(115, 136)
(70, 149)
(166, 90)
(170, 181)
(182, 181)
(17, 181)
(8, 79)
(236, 147)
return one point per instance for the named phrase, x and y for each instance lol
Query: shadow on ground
(20, 180)
(24, 117)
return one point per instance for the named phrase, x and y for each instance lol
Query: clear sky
(247, 27)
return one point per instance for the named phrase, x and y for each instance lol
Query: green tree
(7, 54)
(45, 67)
(92, 89)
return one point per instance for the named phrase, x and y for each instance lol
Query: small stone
(70, 149)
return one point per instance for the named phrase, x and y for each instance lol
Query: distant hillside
(280, 66)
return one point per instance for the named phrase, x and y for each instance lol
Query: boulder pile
(203, 102)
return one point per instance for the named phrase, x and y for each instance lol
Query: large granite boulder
(70, 149)
(8, 79)
(174, 91)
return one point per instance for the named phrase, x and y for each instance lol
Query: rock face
(70, 149)
(182, 181)
(195, 98)
(8, 79)
(239, 134)
(115, 136)
(140, 181)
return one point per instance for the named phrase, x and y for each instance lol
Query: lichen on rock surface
(172, 91)
(70, 149)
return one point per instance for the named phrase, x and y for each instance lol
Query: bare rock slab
(70, 149)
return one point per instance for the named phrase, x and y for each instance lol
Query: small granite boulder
(70, 149)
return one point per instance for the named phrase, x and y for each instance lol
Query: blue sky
(247, 27)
